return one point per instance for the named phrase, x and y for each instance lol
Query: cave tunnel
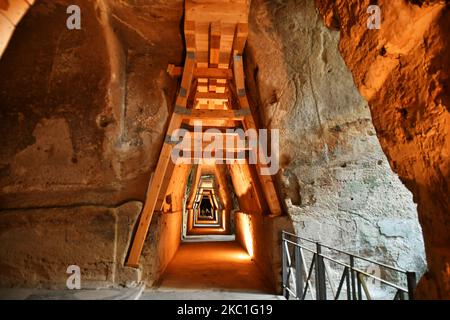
(219, 148)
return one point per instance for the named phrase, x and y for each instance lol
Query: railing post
(284, 265)
(358, 281)
(412, 282)
(321, 288)
(299, 270)
(347, 280)
(352, 274)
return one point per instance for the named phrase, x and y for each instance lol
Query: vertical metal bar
(358, 281)
(412, 282)
(352, 273)
(321, 289)
(396, 295)
(401, 295)
(317, 267)
(347, 280)
(284, 265)
(299, 270)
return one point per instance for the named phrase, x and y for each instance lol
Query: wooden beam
(229, 131)
(163, 191)
(227, 141)
(197, 174)
(189, 34)
(240, 38)
(214, 44)
(218, 154)
(213, 73)
(248, 197)
(217, 10)
(216, 123)
(200, 114)
(207, 73)
(267, 182)
(160, 171)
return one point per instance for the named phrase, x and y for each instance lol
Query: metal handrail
(352, 275)
(348, 266)
(347, 253)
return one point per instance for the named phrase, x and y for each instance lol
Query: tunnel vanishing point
(169, 143)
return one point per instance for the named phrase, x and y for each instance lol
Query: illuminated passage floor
(214, 266)
(199, 271)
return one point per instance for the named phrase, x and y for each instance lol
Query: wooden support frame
(164, 159)
(210, 114)
(162, 192)
(267, 182)
(204, 73)
(215, 32)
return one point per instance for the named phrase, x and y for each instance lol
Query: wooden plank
(211, 95)
(239, 79)
(174, 71)
(232, 131)
(207, 73)
(213, 73)
(228, 141)
(189, 35)
(214, 44)
(149, 207)
(166, 181)
(197, 175)
(160, 171)
(244, 188)
(212, 85)
(215, 123)
(240, 38)
(225, 11)
(200, 114)
(219, 158)
(267, 182)
(224, 192)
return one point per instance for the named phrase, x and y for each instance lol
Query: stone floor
(199, 271)
(209, 238)
(221, 266)
(131, 294)
(100, 294)
(178, 294)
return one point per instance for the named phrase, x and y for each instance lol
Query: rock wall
(260, 236)
(336, 182)
(38, 245)
(402, 71)
(82, 115)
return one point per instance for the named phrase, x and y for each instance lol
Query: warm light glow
(247, 233)
(241, 256)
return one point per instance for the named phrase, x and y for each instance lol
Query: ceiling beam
(207, 73)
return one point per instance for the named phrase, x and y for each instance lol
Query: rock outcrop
(402, 70)
(335, 179)
(83, 113)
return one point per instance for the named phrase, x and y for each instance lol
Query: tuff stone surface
(37, 246)
(336, 182)
(83, 115)
(402, 71)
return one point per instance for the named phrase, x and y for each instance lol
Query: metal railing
(299, 279)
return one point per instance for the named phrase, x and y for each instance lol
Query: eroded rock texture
(83, 115)
(336, 181)
(402, 71)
